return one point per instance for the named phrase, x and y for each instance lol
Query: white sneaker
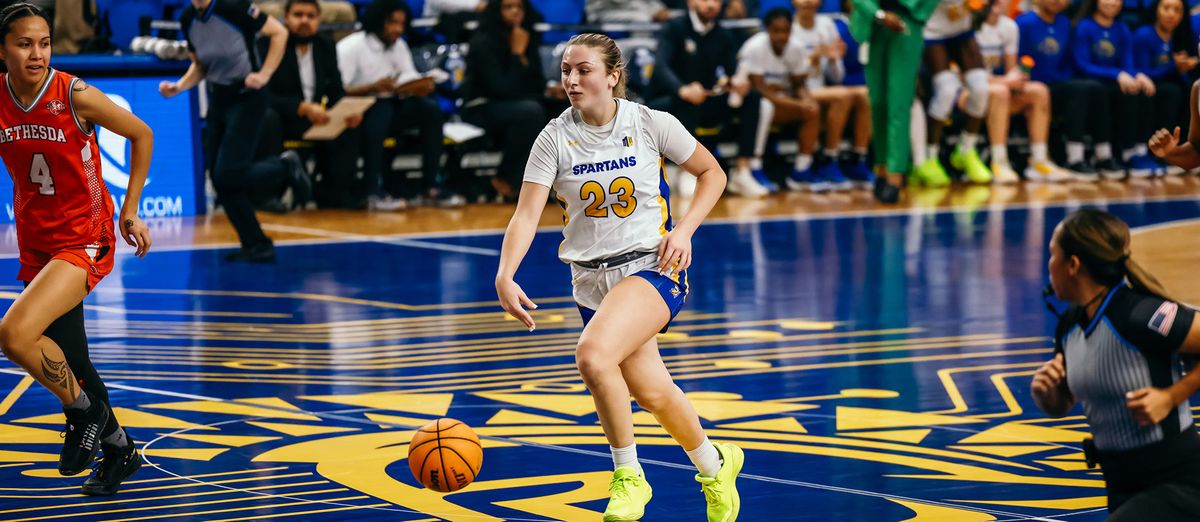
(386, 203)
(1045, 170)
(741, 182)
(1003, 173)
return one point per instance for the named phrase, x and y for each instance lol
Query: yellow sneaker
(930, 174)
(628, 494)
(721, 491)
(967, 160)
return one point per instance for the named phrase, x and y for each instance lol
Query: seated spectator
(853, 159)
(1010, 91)
(694, 55)
(1164, 52)
(306, 83)
(377, 62)
(613, 11)
(776, 67)
(504, 87)
(339, 12)
(1082, 103)
(820, 39)
(1103, 51)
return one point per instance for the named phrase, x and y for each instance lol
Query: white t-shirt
(823, 32)
(610, 179)
(951, 18)
(996, 41)
(363, 59)
(757, 57)
(308, 73)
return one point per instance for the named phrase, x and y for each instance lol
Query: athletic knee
(946, 85)
(1037, 91)
(591, 360)
(14, 338)
(657, 399)
(977, 92)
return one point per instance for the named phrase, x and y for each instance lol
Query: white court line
(391, 240)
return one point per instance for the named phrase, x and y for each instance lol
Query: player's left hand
(1149, 405)
(674, 253)
(256, 80)
(136, 234)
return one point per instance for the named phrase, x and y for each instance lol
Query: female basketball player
(603, 158)
(1117, 350)
(65, 234)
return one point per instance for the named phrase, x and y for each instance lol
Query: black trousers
(390, 116)
(235, 115)
(716, 112)
(1083, 107)
(1132, 114)
(1159, 482)
(514, 124)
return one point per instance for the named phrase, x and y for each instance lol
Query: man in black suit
(306, 84)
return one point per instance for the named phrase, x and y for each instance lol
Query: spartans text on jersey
(604, 166)
(32, 132)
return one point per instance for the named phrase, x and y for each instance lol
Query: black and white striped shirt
(1132, 342)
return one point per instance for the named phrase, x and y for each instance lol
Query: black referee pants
(233, 126)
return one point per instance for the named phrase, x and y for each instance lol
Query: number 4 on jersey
(39, 173)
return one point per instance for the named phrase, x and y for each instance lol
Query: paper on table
(346, 107)
(459, 132)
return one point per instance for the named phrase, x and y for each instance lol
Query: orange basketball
(445, 455)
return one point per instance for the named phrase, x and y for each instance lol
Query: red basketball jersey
(59, 198)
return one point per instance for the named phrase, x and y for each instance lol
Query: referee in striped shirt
(1117, 351)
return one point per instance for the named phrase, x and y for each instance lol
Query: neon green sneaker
(721, 491)
(973, 168)
(628, 494)
(930, 174)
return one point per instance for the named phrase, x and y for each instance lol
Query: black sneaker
(261, 253)
(1080, 170)
(82, 434)
(117, 465)
(1110, 168)
(886, 192)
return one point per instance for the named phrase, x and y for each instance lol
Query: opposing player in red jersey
(64, 218)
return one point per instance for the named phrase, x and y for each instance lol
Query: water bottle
(456, 66)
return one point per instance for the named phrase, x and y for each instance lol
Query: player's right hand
(514, 301)
(168, 89)
(1049, 377)
(1163, 142)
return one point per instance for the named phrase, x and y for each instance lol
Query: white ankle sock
(706, 458)
(933, 151)
(1074, 152)
(803, 162)
(755, 163)
(626, 457)
(968, 141)
(1103, 151)
(1000, 153)
(1038, 152)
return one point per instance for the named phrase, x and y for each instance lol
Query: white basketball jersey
(613, 190)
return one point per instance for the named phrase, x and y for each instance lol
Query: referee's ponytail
(611, 54)
(1101, 242)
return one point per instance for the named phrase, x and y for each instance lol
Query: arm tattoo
(81, 86)
(58, 373)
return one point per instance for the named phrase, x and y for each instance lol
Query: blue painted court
(872, 366)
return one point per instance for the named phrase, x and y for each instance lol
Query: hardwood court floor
(874, 363)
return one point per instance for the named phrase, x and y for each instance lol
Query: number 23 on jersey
(596, 197)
